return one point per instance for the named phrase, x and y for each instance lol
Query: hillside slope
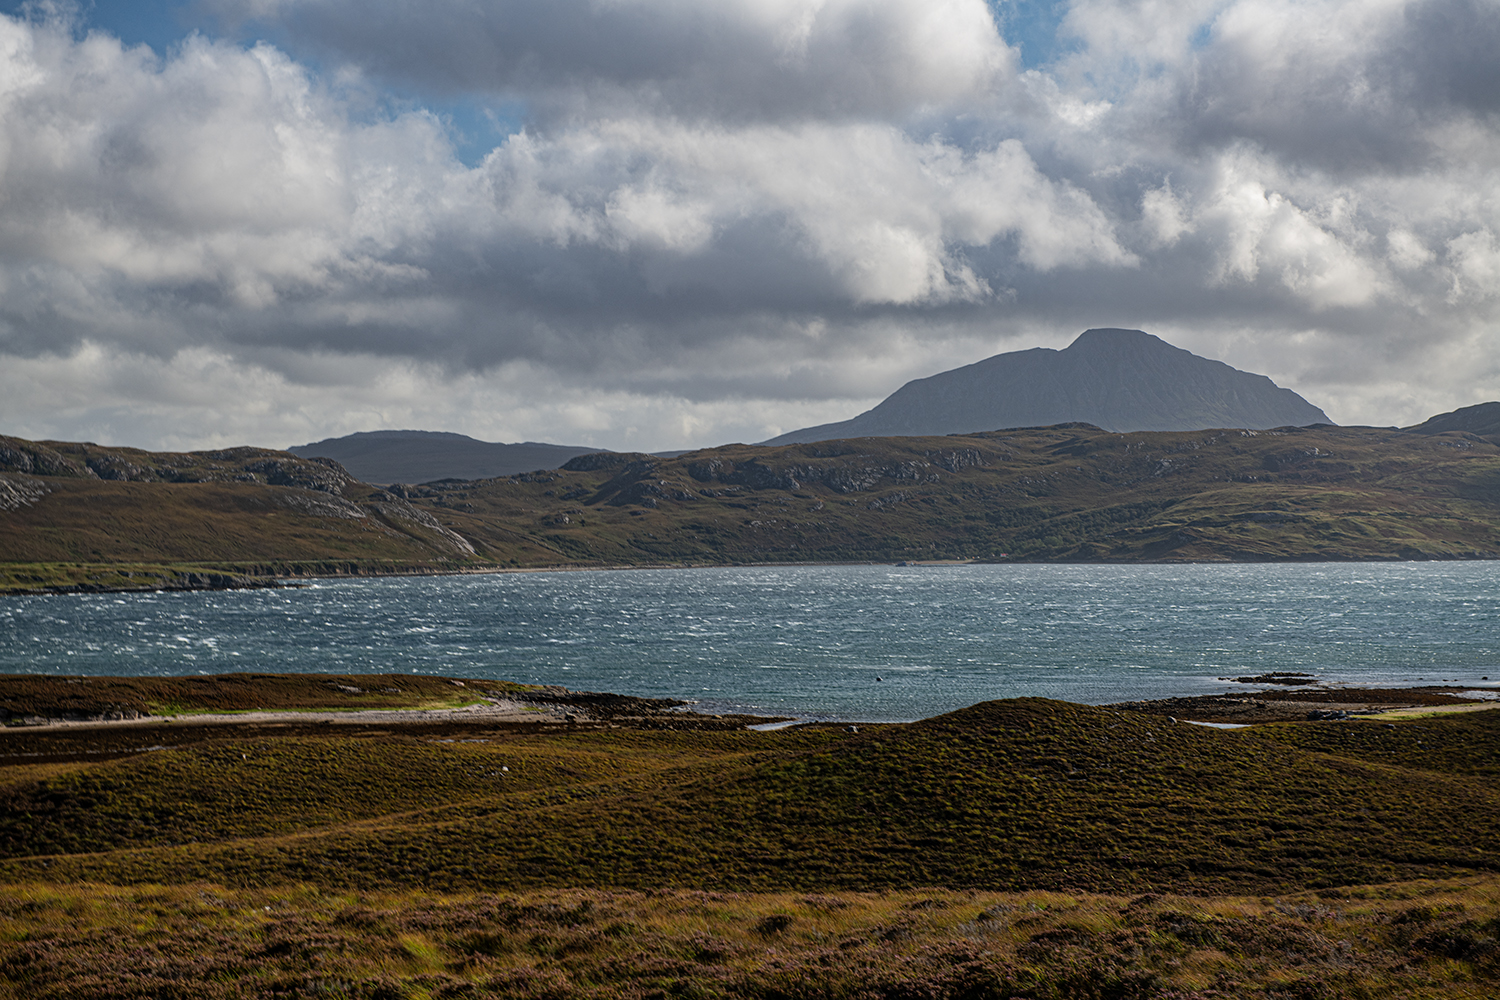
(1065, 493)
(1061, 493)
(90, 517)
(1120, 380)
(1482, 419)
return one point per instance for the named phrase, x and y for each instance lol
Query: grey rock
(19, 491)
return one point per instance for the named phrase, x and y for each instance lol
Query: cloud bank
(720, 221)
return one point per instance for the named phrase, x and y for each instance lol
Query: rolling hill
(1023, 848)
(1006, 795)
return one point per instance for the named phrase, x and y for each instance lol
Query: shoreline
(273, 582)
(1312, 704)
(246, 581)
(558, 708)
(117, 708)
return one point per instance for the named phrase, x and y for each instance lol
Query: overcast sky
(653, 224)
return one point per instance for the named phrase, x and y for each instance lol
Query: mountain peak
(1114, 335)
(1117, 379)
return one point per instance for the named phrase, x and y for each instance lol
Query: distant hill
(81, 516)
(1119, 380)
(427, 456)
(1482, 419)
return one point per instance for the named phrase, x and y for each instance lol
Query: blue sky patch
(1032, 26)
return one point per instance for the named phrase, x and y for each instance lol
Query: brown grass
(1076, 852)
(201, 940)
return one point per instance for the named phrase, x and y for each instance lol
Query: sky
(661, 224)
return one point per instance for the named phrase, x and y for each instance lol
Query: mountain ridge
(1482, 419)
(411, 456)
(1116, 379)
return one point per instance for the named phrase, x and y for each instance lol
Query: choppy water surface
(849, 642)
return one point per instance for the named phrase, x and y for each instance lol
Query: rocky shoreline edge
(1309, 704)
(39, 704)
(35, 702)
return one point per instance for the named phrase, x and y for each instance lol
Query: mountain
(1482, 419)
(1120, 380)
(427, 456)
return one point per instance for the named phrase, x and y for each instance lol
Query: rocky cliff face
(1120, 380)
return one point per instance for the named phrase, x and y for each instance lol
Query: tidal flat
(1017, 848)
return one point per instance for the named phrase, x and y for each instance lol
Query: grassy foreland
(82, 516)
(1022, 848)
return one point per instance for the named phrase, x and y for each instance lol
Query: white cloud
(729, 219)
(1164, 216)
(1406, 250)
(1475, 262)
(1317, 259)
(111, 397)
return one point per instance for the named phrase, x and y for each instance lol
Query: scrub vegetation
(203, 941)
(1065, 493)
(1023, 848)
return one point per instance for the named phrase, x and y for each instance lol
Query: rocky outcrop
(19, 491)
(603, 460)
(91, 461)
(17, 455)
(394, 508)
(159, 579)
(319, 504)
(850, 473)
(322, 474)
(843, 471)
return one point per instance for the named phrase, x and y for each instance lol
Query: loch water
(874, 643)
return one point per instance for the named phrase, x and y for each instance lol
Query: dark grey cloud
(1346, 87)
(734, 60)
(727, 219)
